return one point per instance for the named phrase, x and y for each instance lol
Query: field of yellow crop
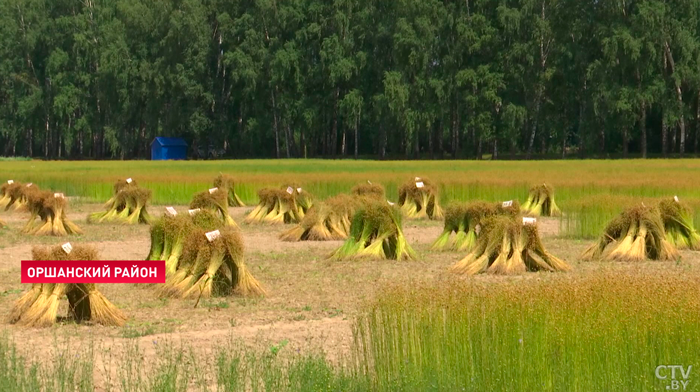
(589, 192)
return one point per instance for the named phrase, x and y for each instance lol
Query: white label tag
(390, 203)
(675, 198)
(30, 184)
(67, 247)
(192, 212)
(417, 179)
(369, 182)
(212, 190)
(477, 229)
(298, 190)
(290, 190)
(419, 184)
(58, 196)
(529, 221)
(128, 180)
(171, 211)
(507, 203)
(10, 182)
(212, 235)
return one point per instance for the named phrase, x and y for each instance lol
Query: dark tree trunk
(357, 131)
(533, 130)
(643, 129)
(275, 126)
(334, 129)
(625, 141)
(664, 137)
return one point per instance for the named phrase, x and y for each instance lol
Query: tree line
(384, 78)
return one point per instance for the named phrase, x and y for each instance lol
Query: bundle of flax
(325, 221)
(376, 232)
(540, 202)
(127, 205)
(419, 199)
(225, 182)
(278, 206)
(215, 200)
(678, 224)
(39, 306)
(212, 264)
(48, 214)
(636, 234)
(464, 220)
(508, 245)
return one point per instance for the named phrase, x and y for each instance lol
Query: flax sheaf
(376, 233)
(636, 234)
(464, 221)
(38, 307)
(420, 199)
(508, 246)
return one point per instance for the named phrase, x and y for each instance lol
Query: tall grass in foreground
(599, 332)
(588, 333)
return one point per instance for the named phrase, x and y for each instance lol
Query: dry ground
(310, 304)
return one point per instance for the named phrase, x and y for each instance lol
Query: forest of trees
(100, 79)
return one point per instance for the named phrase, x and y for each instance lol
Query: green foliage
(308, 78)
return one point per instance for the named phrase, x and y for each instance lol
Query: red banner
(98, 271)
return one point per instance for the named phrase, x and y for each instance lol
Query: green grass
(606, 332)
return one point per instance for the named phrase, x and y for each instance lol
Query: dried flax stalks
(464, 220)
(225, 182)
(419, 199)
(376, 233)
(636, 234)
(540, 202)
(325, 221)
(47, 214)
(678, 224)
(127, 205)
(215, 200)
(370, 190)
(15, 194)
(508, 245)
(211, 265)
(279, 206)
(39, 306)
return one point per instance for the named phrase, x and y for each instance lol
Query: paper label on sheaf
(675, 198)
(58, 196)
(477, 229)
(419, 184)
(529, 221)
(212, 190)
(30, 184)
(369, 182)
(390, 203)
(171, 211)
(507, 203)
(290, 190)
(417, 178)
(128, 180)
(67, 247)
(212, 235)
(192, 212)
(10, 182)
(298, 190)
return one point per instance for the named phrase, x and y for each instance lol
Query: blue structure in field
(164, 148)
